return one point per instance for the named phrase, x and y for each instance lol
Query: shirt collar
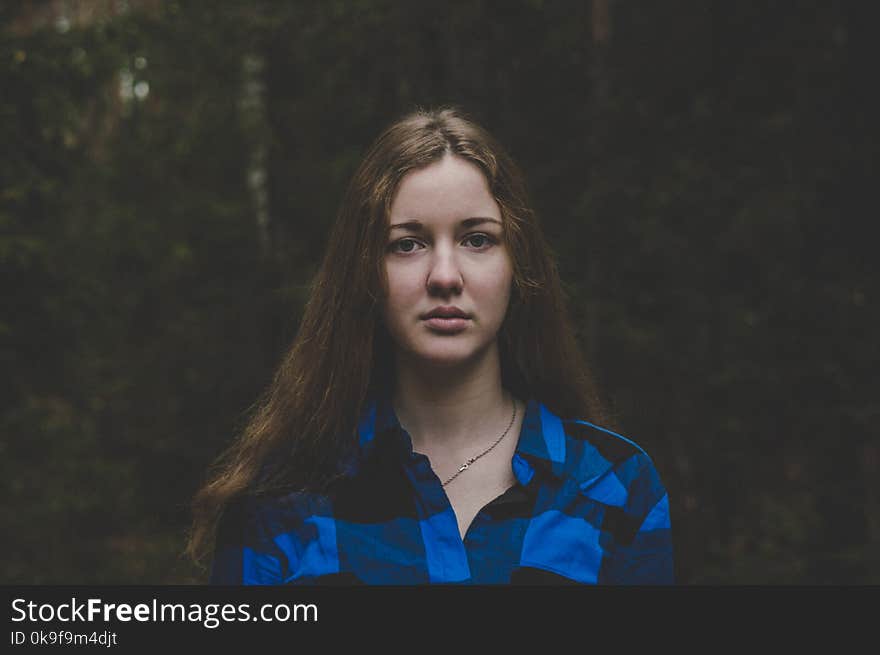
(543, 444)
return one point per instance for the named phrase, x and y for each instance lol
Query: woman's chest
(487, 539)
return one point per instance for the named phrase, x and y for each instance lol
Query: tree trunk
(597, 131)
(255, 124)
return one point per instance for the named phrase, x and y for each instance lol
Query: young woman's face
(449, 272)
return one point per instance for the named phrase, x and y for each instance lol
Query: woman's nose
(445, 274)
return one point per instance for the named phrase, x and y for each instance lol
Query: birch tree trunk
(252, 107)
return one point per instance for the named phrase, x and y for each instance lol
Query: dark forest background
(703, 169)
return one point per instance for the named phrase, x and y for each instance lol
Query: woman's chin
(447, 356)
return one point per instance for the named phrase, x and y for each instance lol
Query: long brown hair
(305, 422)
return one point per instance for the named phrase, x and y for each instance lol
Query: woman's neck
(448, 407)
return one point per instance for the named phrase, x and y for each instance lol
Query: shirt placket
(445, 554)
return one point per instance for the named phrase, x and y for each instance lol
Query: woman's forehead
(449, 190)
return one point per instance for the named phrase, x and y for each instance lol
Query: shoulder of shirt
(612, 446)
(625, 475)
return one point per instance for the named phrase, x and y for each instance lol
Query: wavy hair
(305, 422)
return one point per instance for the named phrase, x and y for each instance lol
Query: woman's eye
(479, 241)
(404, 245)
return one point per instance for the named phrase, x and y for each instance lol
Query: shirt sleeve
(646, 559)
(244, 554)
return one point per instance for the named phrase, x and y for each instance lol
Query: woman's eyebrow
(417, 226)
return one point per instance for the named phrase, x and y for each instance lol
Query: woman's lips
(451, 324)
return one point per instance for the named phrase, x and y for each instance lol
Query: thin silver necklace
(464, 467)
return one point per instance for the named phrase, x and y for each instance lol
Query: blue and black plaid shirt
(588, 507)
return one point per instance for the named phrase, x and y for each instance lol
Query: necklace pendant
(470, 461)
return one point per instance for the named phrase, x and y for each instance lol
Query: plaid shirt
(588, 507)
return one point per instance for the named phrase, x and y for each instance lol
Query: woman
(427, 424)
